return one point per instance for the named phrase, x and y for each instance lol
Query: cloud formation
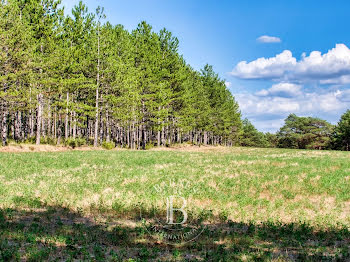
(343, 96)
(268, 108)
(268, 39)
(332, 67)
(286, 90)
(266, 68)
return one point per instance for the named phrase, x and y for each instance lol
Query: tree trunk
(108, 129)
(4, 105)
(31, 117)
(101, 128)
(49, 124)
(144, 134)
(158, 138)
(163, 135)
(66, 131)
(74, 124)
(18, 126)
(39, 119)
(128, 136)
(4, 124)
(59, 133)
(97, 87)
(55, 124)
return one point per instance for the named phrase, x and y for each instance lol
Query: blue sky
(272, 83)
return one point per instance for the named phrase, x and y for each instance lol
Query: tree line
(301, 133)
(79, 78)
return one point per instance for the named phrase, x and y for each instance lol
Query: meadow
(256, 204)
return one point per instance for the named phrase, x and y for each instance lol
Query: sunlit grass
(245, 186)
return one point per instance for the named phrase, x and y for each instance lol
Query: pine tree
(342, 132)
(70, 77)
(304, 133)
(251, 136)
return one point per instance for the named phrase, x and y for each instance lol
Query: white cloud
(266, 68)
(334, 64)
(228, 84)
(342, 80)
(332, 67)
(268, 125)
(343, 96)
(282, 90)
(268, 111)
(268, 39)
(253, 105)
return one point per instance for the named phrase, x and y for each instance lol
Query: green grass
(258, 204)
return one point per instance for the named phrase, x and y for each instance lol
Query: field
(254, 204)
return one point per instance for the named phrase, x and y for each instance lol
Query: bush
(48, 141)
(108, 145)
(90, 141)
(8, 252)
(77, 142)
(149, 146)
(70, 142)
(30, 140)
(80, 141)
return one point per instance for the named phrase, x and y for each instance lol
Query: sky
(276, 57)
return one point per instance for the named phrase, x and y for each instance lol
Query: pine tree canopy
(77, 76)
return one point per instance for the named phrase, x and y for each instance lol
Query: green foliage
(108, 145)
(305, 133)
(271, 139)
(30, 140)
(341, 136)
(46, 140)
(149, 146)
(8, 252)
(87, 77)
(75, 142)
(251, 136)
(90, 77)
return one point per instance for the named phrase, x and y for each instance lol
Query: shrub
(90, 141)
(8, 252)
(30, 140)
(70, 142)
(149, 146)
(74, 142)
(48, 141)
(108, 145)
(80, 141)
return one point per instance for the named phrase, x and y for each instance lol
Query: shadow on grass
(55, 233)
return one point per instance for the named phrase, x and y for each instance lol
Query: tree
(251, 136)
(65, 78)
(304, 133)
(341, 137)
(15, 50)
(44, 17)
(271, 139)
(100, 15)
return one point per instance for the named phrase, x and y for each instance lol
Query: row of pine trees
(79, 77)
(301, 133)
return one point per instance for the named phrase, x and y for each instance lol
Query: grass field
(256, 204)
